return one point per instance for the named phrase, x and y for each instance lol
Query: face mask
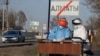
(61, 27)
(75, 27)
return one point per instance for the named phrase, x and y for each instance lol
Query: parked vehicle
(13, 36)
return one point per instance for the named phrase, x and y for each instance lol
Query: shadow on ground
(96, 53)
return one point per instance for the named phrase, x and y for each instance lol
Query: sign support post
(48, 17)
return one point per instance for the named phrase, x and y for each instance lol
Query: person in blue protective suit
(61, 31)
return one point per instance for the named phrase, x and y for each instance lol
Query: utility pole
(3, 14)
(7, 22)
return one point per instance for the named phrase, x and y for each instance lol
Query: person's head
(62, 22)
(76, 21)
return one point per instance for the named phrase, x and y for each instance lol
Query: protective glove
(54, 40)
(60, 39)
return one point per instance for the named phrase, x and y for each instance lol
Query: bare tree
(21, 19)
(97, 23)
(94, 5)
(94, 21)
(91, 22)
(0, 19)
(53, 22)
(12, 19)
(15, 20)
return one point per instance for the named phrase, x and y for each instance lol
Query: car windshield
(11, 32)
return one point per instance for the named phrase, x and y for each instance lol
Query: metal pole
(7, 23)
(49, 17)
(3, 15)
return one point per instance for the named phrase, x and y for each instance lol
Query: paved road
(96, 53)
(27, 42)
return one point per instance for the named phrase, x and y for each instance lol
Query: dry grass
(18, 51)
(96, 42)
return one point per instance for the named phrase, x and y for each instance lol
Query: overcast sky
(38, 10)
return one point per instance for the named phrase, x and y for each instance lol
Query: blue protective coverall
(58, 33)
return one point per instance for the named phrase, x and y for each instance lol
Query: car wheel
(3, 42)
(23, 40)
(19, 40)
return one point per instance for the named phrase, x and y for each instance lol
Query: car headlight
(4, 39)
(14, 38)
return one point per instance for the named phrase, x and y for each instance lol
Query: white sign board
(57, 5)
(44, 26)
(34, 24)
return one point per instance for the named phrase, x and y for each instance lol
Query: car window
(19, 33)
(11, 32)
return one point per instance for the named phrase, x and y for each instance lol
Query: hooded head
(76, 21)
(62, 22)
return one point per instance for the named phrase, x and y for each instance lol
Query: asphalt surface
(29, 41)
(96, 53)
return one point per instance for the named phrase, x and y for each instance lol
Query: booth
(64, 47)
